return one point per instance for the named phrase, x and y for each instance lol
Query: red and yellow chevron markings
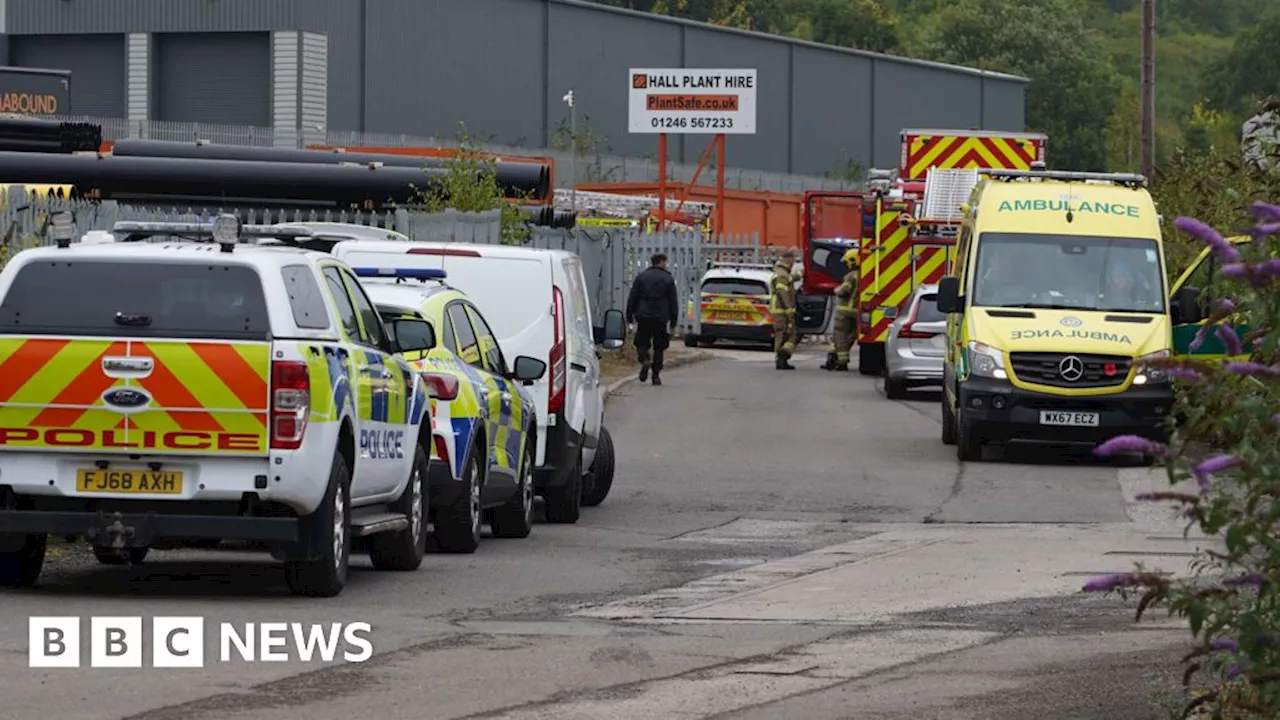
(203, 395)
(925, 266)
(883, 272)
(966, 153)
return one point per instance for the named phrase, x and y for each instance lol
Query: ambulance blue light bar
(406, 273)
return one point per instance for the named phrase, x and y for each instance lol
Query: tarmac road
(777, 545)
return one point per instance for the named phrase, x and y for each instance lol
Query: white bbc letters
(177, 642)
(115, 642)
(53, 642)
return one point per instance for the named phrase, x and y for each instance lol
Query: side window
(468, 350)
(448, 340)
(346, 311)
(1202, 279)
(372, 335)
(305, 298)
(488, 343)
(578, 299)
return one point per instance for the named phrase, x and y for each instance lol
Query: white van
(537, 304)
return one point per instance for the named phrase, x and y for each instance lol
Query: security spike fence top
(611, 257)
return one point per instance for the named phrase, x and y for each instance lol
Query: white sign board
(692, 101)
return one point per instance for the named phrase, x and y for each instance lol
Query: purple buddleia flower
(1199, 339)
(1224, 307)
(1275, 419)
(1234, 671)
(1252, 368)
(1183, 373)
(1222, 249)
(1255, 579)
(1265, 229)
(1129, 444)
(1224, 645)
(1227, 335)
(1265, 212)
(1215, 464)
(1235, 270)
(1268, 268)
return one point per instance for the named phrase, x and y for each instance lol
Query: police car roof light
(409, 273)
(207, 231)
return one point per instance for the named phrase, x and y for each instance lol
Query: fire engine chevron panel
(967, 149)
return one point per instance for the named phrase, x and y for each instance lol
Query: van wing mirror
(1185, 307)
(412, 335)
(614, 331)
(528, 369)
(949, 300)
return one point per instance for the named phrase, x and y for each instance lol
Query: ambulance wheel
(20, 566)
(119, 556)
(602, 468)
(690, 340)
(403, 550)
(515, 518)
(968, 446)
(948, 423)
(870, 359)
(329, 528)
(458, 525)
(706, 342)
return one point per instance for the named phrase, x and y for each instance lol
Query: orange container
(775, 216)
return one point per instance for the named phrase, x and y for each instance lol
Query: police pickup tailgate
(164, 355)
(142, 397)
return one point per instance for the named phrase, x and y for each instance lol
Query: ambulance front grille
(1095, 371)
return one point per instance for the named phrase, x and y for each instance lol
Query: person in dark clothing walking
(654, 307)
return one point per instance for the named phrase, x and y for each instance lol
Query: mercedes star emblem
(1071, 368)
(1071, 321)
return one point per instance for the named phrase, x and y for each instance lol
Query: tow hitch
(113, 534)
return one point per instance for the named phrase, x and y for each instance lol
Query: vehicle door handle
(578, 366)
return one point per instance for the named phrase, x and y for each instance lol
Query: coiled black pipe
(517, 180)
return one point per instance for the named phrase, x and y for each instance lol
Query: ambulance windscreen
(132, 299)
(1069, 272)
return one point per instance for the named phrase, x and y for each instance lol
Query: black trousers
(652, 338)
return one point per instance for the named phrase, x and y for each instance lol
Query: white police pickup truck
(195, 390)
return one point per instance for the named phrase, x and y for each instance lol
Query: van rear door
(121, 356)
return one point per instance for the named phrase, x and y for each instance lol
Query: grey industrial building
(418, 67)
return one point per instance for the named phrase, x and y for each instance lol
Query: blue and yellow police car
(484, 423)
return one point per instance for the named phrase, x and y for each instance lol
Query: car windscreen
(927, 310)
(734, 286)
(116, 298)
(1068, 272)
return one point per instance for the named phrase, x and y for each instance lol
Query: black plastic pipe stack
(48, 136)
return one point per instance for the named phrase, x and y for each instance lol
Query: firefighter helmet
(850, 257)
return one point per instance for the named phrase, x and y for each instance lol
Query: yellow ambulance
(1056, 301)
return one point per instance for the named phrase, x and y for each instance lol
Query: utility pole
(1148, 87)
(573, 151)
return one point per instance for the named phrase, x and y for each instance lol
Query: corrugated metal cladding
(96, 62)
(419, 67)
(213, 78)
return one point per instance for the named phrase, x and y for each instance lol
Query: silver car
(917, 342)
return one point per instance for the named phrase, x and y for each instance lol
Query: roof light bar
(1119, 178)
(408, 273)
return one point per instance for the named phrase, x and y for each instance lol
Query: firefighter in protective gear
(846, 321)
(782, 306)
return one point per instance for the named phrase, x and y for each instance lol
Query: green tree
(1250, 70)
(470, 184)
(1073, 86)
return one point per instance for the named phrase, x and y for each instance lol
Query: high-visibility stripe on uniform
(960, 152)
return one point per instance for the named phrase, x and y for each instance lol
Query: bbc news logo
(179, 642)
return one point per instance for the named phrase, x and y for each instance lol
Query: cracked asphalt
(730, 467)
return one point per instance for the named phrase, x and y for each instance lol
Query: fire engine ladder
(945, 191)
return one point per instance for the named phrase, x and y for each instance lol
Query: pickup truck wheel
(515, 518)
(21, 567)
(403, 550)
(330, 526)
(564, 503)
(602, 468)
(458, 526)
(120, 556)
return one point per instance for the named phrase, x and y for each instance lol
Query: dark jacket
(653, 297)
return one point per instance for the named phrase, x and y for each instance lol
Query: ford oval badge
(127, 397)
